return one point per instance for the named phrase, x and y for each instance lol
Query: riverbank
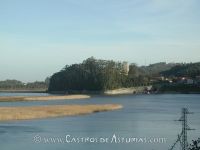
(131, 90)
(179, 88)
(119, 91)
(42, 98)
(37, 112)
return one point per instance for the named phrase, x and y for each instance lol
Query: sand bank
(36, 112)
(41, 98)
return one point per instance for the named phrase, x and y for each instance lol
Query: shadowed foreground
(34, 112)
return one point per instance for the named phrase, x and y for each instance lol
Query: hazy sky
(39, 37)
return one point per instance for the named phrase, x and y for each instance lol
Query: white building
(126, 67)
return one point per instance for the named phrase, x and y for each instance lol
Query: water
(22, 94)
(150, 116)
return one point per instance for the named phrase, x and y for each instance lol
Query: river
(143, 118)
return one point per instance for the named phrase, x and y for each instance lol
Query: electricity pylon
(182, 137)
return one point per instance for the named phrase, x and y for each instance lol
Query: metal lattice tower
(182, 138)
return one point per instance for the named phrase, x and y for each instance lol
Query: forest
(95, 74)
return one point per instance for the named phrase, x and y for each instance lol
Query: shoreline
(52, 111)
(77, 97)
(175, 92)
(59, 96)
(42, 98)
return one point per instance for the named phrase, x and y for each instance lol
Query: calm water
(142, 116)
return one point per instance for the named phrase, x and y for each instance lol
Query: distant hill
(183, 70)
(157, 68)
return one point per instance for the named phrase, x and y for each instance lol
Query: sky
(40, 37)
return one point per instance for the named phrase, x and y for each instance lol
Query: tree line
(183, 70)
(18, 85)
(94, 75)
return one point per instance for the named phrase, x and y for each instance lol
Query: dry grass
(41, 98)
(35, 112)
